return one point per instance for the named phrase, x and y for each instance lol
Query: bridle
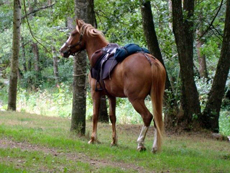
(69, 47)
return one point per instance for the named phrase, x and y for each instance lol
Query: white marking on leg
(155, 141)
(141, 138)
(93, 138)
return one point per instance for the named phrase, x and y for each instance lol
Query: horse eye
(73, 34)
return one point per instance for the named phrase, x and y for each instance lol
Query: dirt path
(74, 156)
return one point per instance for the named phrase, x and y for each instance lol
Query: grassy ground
(34, 143)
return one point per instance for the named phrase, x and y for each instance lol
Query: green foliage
(120, 21)
(224, 123)
(56, 101)
(6, 15)
(5, 48)
(203, 87)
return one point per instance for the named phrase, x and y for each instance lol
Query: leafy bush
(224, 123)
(51, 102)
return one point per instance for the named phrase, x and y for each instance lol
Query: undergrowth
(57, 101)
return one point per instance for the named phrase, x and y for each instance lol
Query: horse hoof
(91, 142)
(154, 150)
(113, 144)
(140, 149)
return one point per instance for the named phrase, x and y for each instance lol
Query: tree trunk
(12, 97)
(103, 113)
(153, 45)
(55, 65)
(82, 11)
(170, 14)
(201, 58)
(23, 55)
(210, 116)
(70, 23)
(78, 123)
(36, 64)
(184, 32)
(55, 58)
(36, 57)
(91, 13)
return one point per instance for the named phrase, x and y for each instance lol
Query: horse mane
(90, 31)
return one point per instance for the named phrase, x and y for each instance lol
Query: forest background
(45, 79)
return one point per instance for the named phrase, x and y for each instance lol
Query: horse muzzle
(65, 53)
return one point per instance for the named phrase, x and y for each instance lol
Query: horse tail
(157, 93)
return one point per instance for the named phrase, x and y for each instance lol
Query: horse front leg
(112, 116)
(96, 104)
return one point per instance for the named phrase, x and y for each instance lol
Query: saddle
(104, 60)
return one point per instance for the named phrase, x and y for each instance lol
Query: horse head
(75, 43)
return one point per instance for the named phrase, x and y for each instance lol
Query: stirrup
(98, 89)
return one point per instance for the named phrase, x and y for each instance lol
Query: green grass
(34, 143)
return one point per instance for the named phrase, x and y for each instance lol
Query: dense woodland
(191, 38)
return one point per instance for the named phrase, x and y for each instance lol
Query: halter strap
(76, 44)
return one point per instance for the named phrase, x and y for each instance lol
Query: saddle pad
(123, 52)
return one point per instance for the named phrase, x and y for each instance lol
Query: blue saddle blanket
(122, 52)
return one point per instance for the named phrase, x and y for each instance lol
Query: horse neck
(93, 44)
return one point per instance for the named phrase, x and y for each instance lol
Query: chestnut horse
(136, 77)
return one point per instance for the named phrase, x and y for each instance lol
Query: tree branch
(211, 24)
(26, 16)
(35, 11)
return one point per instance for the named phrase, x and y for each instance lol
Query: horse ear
(77, 26)
(77, 21)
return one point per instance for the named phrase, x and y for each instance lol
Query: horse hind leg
(141, 139)
(155, 140)
(147, 117)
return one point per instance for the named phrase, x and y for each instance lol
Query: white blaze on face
(65, 43)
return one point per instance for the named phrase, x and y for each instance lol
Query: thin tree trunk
(103, 113)
(211, 112)
(70, 23)
(170, 14)
(79, 81)
(12, 97)
(184, 33)
(55, 58)
(36, 57)
(153, 45)
(23, 55)
(201, 58)
(55, 65)
(36, 64)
